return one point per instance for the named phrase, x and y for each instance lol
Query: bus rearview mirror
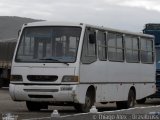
(92, 38)
(19, 32)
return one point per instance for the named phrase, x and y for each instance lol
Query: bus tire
(131, 99)
(129, 103)
(141, 101)
(33, 106)
(89, 101)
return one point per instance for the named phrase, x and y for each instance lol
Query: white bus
(80, 65)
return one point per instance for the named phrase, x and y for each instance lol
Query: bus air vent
(40, 96)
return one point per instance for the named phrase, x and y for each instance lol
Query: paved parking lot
(19, 108)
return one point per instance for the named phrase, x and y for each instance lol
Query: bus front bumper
(43, 93)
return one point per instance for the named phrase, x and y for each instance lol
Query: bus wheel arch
(92, 89)
(89, 100)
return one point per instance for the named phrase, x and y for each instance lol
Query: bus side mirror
(19, 32)
(92, 38)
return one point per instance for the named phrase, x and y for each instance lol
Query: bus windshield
(48, 44)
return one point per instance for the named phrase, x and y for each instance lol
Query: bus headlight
(16, 78)
(70, 79)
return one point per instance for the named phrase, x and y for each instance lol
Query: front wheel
(129, 103)
(89, 102)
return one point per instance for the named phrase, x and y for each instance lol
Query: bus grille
(42, 78)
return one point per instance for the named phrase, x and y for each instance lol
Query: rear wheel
(131, 99)
(129, 103)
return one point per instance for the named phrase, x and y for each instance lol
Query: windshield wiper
(51, 59)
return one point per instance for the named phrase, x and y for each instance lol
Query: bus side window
(115, 47)
(132, 49)
(102, 45)
(147, 52)
(89, 54)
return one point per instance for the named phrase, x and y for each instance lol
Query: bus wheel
(131, 99)
(89, 102)
(129, 103)
(33, 106)
(141, 101)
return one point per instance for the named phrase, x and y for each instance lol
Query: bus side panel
(114, 79)
(145, 89)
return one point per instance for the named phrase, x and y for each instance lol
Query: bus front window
(48, 44)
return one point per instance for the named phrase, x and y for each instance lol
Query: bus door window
(89, 54)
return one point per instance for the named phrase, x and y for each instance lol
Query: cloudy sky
(121, 14)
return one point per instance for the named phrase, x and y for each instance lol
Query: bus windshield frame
(48, 44)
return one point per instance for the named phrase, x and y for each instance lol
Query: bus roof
(50, 23)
